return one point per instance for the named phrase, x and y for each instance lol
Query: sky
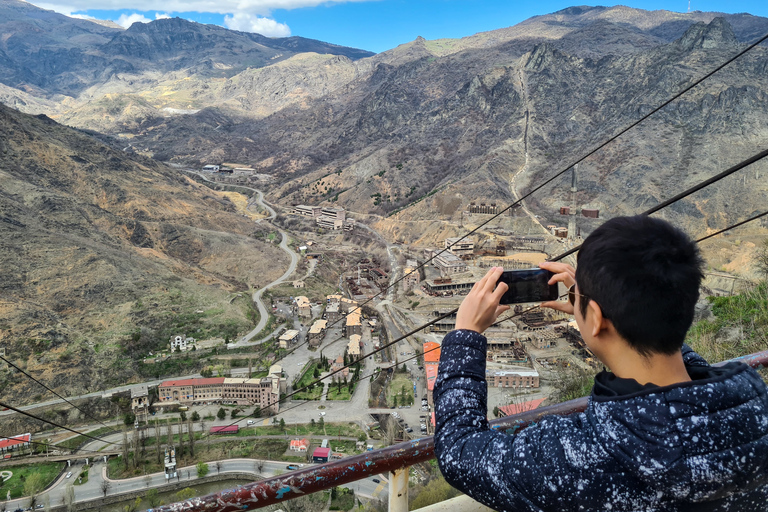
(374, 25)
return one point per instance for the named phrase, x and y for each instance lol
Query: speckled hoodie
(695, 446)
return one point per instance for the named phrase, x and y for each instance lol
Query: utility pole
(572, 212)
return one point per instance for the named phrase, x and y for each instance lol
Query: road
(263, 313)
(93, 489)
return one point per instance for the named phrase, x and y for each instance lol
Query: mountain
(103, 252)
(52, 54)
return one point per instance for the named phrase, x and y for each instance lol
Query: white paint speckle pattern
(698, 446)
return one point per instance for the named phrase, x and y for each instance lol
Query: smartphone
(528, 285)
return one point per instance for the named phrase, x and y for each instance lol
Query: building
(140, 402)
(261, 392)
(186, 391)
(460, 246)
(516, 378)
(8, 445)
(321, 455)
(353, 324)
(307, 211)
(298, 284)
(431, 351)
(170, 463)
(264, 392)
(302, 306)
(299, 445)
(491, 209)
(354, 346)
(379, 277)
(338, 364)
(544, 339)
(332, 312)
(512, 409)
(222, 431)
(448, 286)
(288, 338)
(211, 168)
(316, 332)
(448, 263)
(181, 343)
(444, 325)
(410, 276)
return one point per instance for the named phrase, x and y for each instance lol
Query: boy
(663, 431)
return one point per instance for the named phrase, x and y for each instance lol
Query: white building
(181, 343)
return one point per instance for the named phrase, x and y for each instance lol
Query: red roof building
(530, 405)
(431, 351)
(321, 455)
(299, 445)
(232, 429)
(9, 444)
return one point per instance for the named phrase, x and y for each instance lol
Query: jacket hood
(672, 438)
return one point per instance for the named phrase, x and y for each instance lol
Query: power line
(55, 393)
(55, 446)
(55, 424)
(686, 193)
(755, 217)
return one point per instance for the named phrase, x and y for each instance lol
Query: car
(69, 474)
(409, 430)
(322, 414)
(291, 466)
(376, 480)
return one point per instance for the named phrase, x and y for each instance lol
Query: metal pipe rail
(394, 459)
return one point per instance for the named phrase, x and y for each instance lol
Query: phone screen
(529, 285)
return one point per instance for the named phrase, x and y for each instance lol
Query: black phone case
(529, 285)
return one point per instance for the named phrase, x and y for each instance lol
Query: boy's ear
(599, 322)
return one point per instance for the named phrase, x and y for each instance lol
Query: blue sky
(374, 25)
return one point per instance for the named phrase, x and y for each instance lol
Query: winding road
(263, 313)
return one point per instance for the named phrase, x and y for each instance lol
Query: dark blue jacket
(698, 446)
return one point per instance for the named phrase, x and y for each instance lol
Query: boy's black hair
(645, 275)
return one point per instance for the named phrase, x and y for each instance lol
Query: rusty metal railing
(394, 459)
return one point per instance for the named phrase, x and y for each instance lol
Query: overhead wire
(55, 393)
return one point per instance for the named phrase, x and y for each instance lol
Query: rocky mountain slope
(102, 252)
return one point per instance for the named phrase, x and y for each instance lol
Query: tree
(282, 424)
(183, 416)
(496, 411)
(256, 412)
(185, 494)
(221, 414)
(316, 373)
(32, 485)
(202, 469)
(132, 506)
(394, 402)
(105, 486)
(195, 416)
(129, 419)
(312, 422)
(152, 498)
(321, 423)
(69, 497)
(233, 413)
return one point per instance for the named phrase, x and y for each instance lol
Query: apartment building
(410, 275)
(460, 246)
(288, 338)
(448, 263)
(355, 345)
(514, 378)
(307, 211)
(302, 306)
(316, 332)
(353, 323)
(332, 312)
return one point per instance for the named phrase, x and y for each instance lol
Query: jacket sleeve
(502, 471)
(691, 358)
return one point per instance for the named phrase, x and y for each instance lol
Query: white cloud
(245, 22)
(259, 7)
(126, 20)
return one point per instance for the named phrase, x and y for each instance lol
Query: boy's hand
(565, 274)
(480, 308)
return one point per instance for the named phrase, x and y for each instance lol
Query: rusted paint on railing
(319, 478)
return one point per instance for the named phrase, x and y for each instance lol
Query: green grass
(336, 429)
(739, 326)
(75, 442)
(306, 378)
(15, 484)
(335, 394)
(395, 388)
(83, 475)
(344, 499)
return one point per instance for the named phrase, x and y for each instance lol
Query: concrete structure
(332, 312)
(211, 168)
(264, 392)
(514, 378)
(298, 284)
(338, 364)
(140, 402)
(460, 246)
(379, 277)
(288, 338)
(307, 211)
(448, 286)
(354, 345)
(181, 343)
(448, 263)
(316, 332)
(302, 306)
(410, 276)
(544, 339)
(491, 208)
(353, 323)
